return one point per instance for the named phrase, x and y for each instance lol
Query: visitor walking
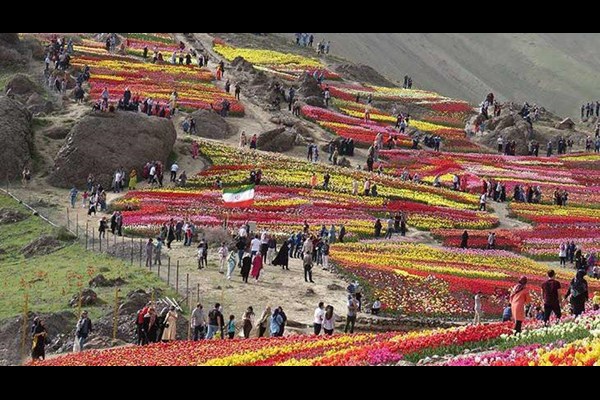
(551, 297)
(170, 325)
(248, 322)
(83, 329)
(519, 296)
(198, 322)
(578, 292)
(263, 322)
(215, 321)
(38, 334)
(351, 315)
(319, 315)
(329, 320)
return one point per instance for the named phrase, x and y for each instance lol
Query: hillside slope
(556, 70)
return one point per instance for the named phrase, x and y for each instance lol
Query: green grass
(52, 280)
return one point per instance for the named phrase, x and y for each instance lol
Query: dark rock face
(8, 216)
(278, 140)
(41, 246)
(102, 142)
(88, 298)
(16, 138)
(211, 125)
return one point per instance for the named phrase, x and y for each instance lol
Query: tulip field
(569, 343)
(115, 71)
(424, 274)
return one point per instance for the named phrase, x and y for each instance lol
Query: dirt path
(501, 211)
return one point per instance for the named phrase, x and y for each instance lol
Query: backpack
(212, 315)
(578, 288)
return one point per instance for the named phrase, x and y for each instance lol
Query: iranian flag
(239, 197)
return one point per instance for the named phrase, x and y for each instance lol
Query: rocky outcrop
(11, 334)
(43, 245)
(277, 140)
(102, 142)
(310, 91)
(16, 138)
(11, 51)
(8, 216)
(22, 85)
(101, 281)
(211, 125)
(88, 298)
(565, 124)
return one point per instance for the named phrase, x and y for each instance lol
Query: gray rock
(88, 298)
(128, 140)
(211, 125)
(16, 138)
(9, 216)
(43, 245)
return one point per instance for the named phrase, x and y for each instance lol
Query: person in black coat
(578, 290)
(150, 326)
(38, 332)
(377, 228)
(282, 257)
(246, 264)
(465, 238)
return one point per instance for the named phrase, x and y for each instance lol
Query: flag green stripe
(238, 190)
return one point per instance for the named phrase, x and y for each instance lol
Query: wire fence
(128, 249)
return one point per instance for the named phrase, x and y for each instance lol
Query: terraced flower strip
(423, 280)
(157, 81)
(347, 350)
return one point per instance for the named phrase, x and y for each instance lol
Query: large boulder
(211, 125)
(277, 140)
(310, 91)
(11, 334)
(240, 64)
(11, 50)
(16, 138)
(102, 142)
(22, 85)
(565, 124)
(9, 216)
(40, 246)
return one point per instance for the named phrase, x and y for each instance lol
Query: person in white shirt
(255, 246)
(354, 187)
(307, 247)
(319, 316)
(151, 174)
(242, 231)
(375, 307)
(328, 320)
(482, 202)
(477, 309)
(264, 245)
(174, 169)
(223, 253)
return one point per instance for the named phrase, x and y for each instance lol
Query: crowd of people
(307, 40)
(521, 307)
(395, 224)
(587, 109)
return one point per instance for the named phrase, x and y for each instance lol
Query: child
(596, 301)
(539, 313)
(84, 199)
(231, 327)
(507, 313)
